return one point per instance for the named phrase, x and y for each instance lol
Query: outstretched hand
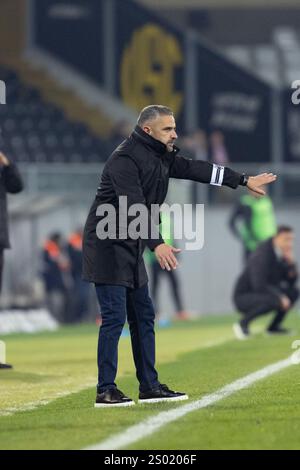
(256, 183)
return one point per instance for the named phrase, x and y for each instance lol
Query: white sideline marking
(149, 426)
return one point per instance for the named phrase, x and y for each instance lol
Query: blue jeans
(117, 302)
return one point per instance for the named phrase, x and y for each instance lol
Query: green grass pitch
(47, 400)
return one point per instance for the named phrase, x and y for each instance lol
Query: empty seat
(34, 141)
(35, 130)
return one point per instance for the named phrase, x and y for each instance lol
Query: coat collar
(160, 148)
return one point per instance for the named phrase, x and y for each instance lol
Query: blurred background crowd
(77, 72)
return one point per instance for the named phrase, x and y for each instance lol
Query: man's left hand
(255, 183)
(289, 256)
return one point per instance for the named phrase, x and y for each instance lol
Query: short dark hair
(152, 112)
(284, 229)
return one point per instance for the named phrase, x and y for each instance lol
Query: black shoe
(241, 331)
(5, 366)
(112, 397)
(280, 332)
(160, 394)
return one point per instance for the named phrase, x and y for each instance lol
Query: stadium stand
(35, 130)
(277, 62)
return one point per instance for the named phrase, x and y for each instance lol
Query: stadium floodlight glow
(2, 352)
(2, 92)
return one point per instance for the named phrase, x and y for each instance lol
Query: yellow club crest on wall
(148, 69)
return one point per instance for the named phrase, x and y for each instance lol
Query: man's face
(285, 242)
(163, 129)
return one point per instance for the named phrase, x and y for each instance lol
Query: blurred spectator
(10, 182)
(218, 149)
(80, 288)
(268, 283)
(156, 271)
(56, 275)
(253, 221)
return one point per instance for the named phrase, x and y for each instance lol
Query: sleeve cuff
(153, 243)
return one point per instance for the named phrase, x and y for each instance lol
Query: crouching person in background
(268, 284)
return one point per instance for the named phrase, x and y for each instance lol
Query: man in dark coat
(10, 182)
(268, 284)
(138, 170)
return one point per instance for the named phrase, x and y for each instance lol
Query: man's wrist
(244, 180)
(161, 243)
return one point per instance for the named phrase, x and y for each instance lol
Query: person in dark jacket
(138, 171)
(268, 284)
(10, 182)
